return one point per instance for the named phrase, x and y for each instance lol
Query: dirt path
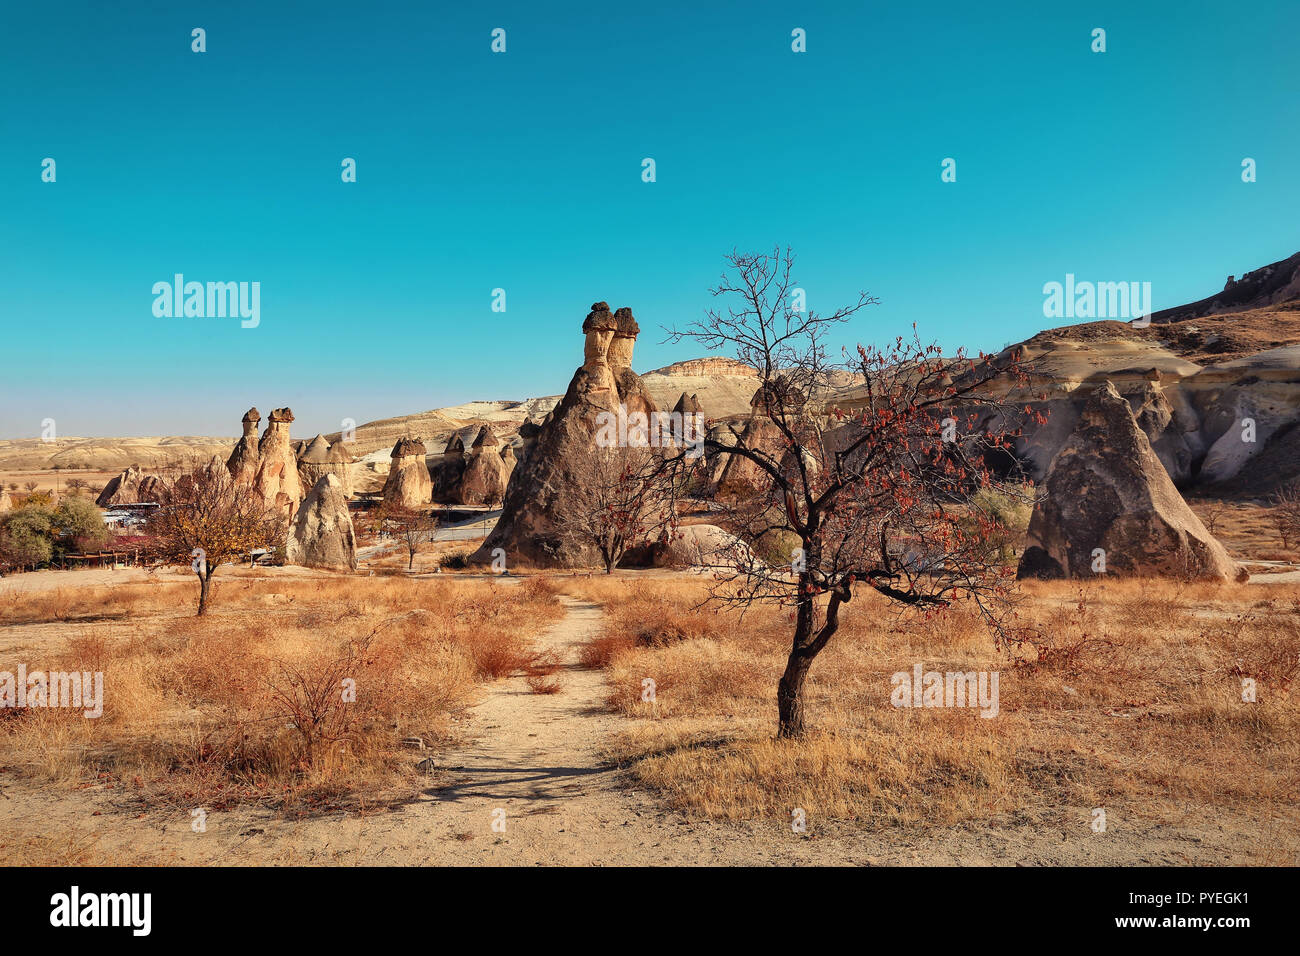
(537, 758)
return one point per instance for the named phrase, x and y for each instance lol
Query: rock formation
(6, 503)
(321, 535)
(702, 545)
(544, 487)
(1107, 498)
(341, 462)
(780, 398)
(153, 489)
(319, 458)
(408, 484)
(245, 458)
(123, 489)
(277, 471)
(449, 470)
(486, 473)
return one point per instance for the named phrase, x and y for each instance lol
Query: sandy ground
(530, 788)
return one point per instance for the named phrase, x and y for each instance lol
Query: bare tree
(30, 485)
(210, 520)
(1286, 513)
(628, 501)
(413, 526)
(1213, 512)
(876, 492)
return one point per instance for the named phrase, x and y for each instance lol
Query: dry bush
(71, 604)
(248, 702)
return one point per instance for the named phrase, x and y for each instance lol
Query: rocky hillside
(1215, 383)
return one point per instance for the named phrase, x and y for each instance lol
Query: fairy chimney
(548, 483)
(243, 461)
(408, 484)
(340, 460)
(277, 471)
(486, 474)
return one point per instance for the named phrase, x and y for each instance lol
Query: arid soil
(538, 758)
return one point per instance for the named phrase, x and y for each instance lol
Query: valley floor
(538, 758)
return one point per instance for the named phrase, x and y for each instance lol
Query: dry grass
(1130, 699)
(298, 697)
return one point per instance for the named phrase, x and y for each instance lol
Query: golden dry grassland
(246, 703)
(1131, 701)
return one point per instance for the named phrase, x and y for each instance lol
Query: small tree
(413, 527)
(210, 520)
(880, 491)
(26, 538)
(629, 500)
(75, 485)
(30, 486)
(79, 525)
(1286, 513)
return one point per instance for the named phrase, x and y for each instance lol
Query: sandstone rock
(6, 503)
(152, 488)
(545, 485)
(486, 474)
(449, 470)
(780, 397)
(1107, 489)
(321, 535)
(688, 405)
(408, 484)
(699, 545)
(319, 458)
(243, 461)
(341, 462)
(122, 490)
(277, 471)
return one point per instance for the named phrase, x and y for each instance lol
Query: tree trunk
(805, 646)
(789, 696)
(205, 581)
(789, 693)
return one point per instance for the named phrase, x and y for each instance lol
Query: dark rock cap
(408, 446)
(599, 319)
(625, 323)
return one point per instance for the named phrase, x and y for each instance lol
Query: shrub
(26, 538)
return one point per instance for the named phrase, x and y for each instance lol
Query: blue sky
(523, 171)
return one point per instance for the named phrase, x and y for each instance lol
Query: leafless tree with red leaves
(875, 483)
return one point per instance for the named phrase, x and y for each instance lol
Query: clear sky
(522, 171)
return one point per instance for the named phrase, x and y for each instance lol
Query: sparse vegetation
(252, 703)
(1103, 711)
